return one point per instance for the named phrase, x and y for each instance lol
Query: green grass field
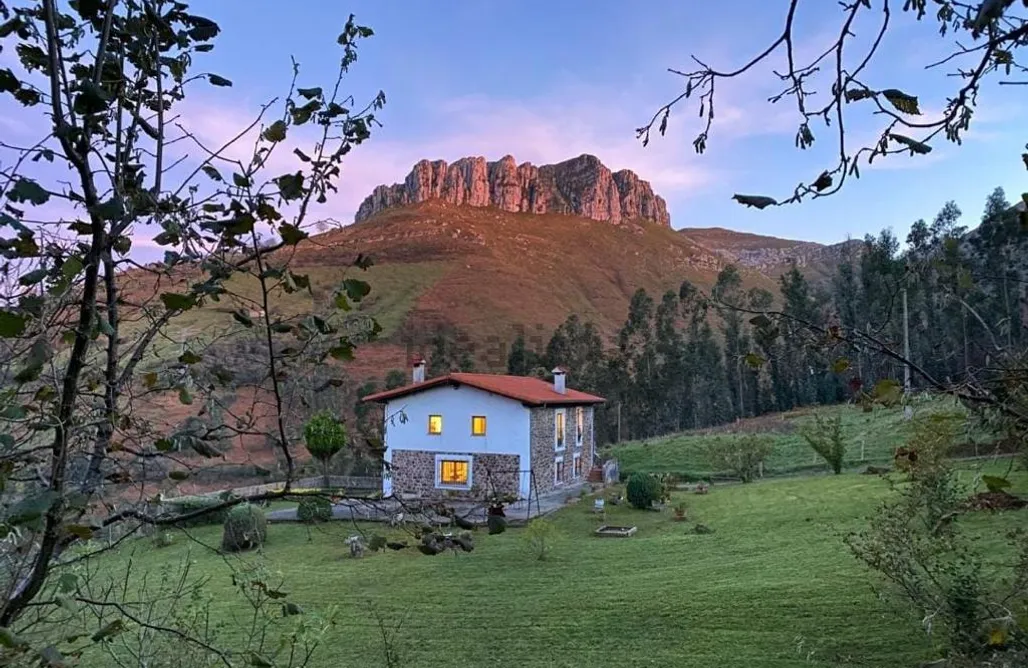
(773, 586)
(871, 439)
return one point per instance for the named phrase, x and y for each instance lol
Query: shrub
(538, 538)
(642, 490)
(325, 436)
(743, 456)
(246, 527)
(188, 504)
(314, 509)
(825, 438)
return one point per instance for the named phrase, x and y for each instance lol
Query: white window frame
(576, 466)
(439, 459)
(556, 444)
(557, 460)
(580, 420)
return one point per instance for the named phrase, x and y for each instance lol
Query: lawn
(871, 438)
(773, 586)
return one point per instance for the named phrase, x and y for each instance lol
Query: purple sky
(545, 81)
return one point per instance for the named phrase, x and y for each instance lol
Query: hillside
(771, 256)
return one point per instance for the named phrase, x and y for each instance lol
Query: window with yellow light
(453, 472)
(435, 424)
(478, 425)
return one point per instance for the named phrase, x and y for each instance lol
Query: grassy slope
(876, 435)
(774, 586)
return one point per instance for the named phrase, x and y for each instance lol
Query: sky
(547, 81)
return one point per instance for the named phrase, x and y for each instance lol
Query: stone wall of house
(541, 430)
(413, 472)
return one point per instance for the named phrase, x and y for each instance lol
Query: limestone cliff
(582, 186)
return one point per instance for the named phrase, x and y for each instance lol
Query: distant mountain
(770, 255)
(582, 186)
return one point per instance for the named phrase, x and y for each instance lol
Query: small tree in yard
(743, 456)
(826, 439)
(539, 538)
(643, 490)
(325, 436)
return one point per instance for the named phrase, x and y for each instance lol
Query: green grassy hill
(871, 438)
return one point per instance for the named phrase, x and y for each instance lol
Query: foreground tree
(92, 349)
(987, 36)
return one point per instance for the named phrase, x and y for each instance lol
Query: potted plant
(680, 511)
(702, 487)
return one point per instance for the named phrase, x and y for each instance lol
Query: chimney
(418, 373)
(559, 374)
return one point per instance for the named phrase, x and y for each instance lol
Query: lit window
(580, 430)
(453, 472)
(558, 470)
(576, 467)
(435, 424)
(559, 434)
(478, 425)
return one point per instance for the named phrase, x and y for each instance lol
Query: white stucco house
(472, 434)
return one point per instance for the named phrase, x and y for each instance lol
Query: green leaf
(11, 324)
(33, 277)
(291, 234)
(178, 302)
(91, 98)
(760, 321)
(242, 318)
(887, 391)
(754, 360)
(758, 201)
(356, 289)
(10, 640)
(823, 182)
(915, 146)
(164, 445)
(109, 631)
(341, 302)
(855, 94)
(309, 93)
(122, 245)
(79, 530)
(184, 396)
(149, 379)
(903, 102)
(27, 190)
(276, 132)
(995, 483)
(255, 659)
(189, 357)
(840, 365)
(218, 81)
(178, 475)
(342, 352)
(212, 173)
(38, 355)
(290, 186)
(241, 181)
(71, 267)
(363, 261)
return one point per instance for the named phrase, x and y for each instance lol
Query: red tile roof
(528, 390)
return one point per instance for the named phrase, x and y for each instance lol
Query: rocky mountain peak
(581, 186)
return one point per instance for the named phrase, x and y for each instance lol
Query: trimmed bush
(189, 504)
(643, 490)
(314, 509)
(246, 527)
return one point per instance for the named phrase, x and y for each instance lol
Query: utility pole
(906, 356)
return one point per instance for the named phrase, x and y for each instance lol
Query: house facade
(468, 435)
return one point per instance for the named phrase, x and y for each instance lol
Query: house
(473, 434)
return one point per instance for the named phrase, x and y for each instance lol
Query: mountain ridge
(581, 186)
